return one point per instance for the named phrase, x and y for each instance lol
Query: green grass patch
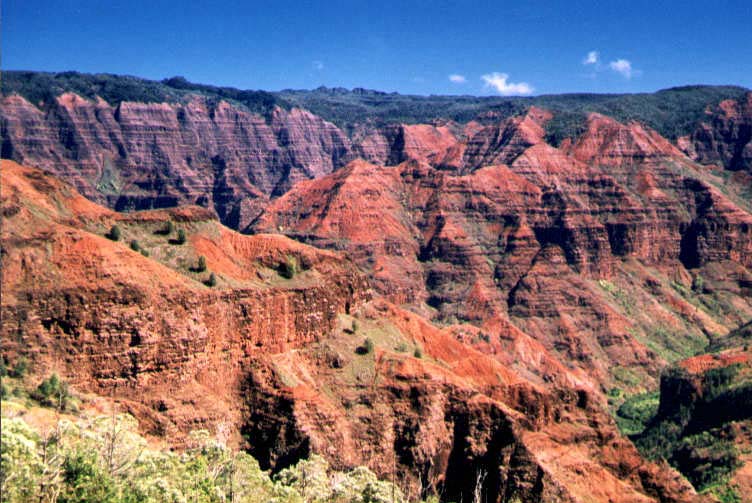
(634, 414)
(624, 299)
(672, 346)
(724, 492)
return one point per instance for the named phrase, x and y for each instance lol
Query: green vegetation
(168, 229)
(695, 436)
(288, 268)
(104, 459)
(368, 345)
(20, 368)
(212, 281)
(135, 246)
(366, 348)
(623, 298)
(724, 492)
(42, 88)
(741, 337)
(698, 284)
(181, 239)
(673, 346)
(52, 392)
(636, 411)
(114, 233)
(74, 456)
(418, 353)
(672, 112)
(201, 265)
(706, 459)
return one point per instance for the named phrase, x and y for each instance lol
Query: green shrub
(20, 368)
(698, 284)
(135, 246)
(52, 392)
(288, 268)
(181, 239)
(418, 353)
(212, 281)
(167, 229)
(201, 266)
(724, 492)
(86, 481)
(636, 412)
(114, 233)
(706, 459)
(717, 380)
(365, 348)
(105, 460)
(144, 252)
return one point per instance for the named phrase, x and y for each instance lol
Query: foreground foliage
(104, 459)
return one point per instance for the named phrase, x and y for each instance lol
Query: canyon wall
(275, 359)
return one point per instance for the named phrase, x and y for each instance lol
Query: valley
(532, 299)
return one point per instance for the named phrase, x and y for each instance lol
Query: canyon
(513, 290)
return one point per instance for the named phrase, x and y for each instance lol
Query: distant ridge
(672, 112)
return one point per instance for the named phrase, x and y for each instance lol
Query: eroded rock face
(453, 422)
(120, 323)
(725, 137)
(537, 240)
(139, 156)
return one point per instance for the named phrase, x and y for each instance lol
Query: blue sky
(406, 46)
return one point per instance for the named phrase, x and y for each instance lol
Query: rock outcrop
(725, 137)
(120, 323)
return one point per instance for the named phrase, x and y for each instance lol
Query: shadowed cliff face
(274, 358)
(140, 156)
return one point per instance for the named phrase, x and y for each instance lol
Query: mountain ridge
(17, 81)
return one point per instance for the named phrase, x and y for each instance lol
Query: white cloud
(318, 65)
(592, 58)
(499, 82)
(457, 78)
(623, 67)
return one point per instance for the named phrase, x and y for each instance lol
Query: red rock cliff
(137, 156)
